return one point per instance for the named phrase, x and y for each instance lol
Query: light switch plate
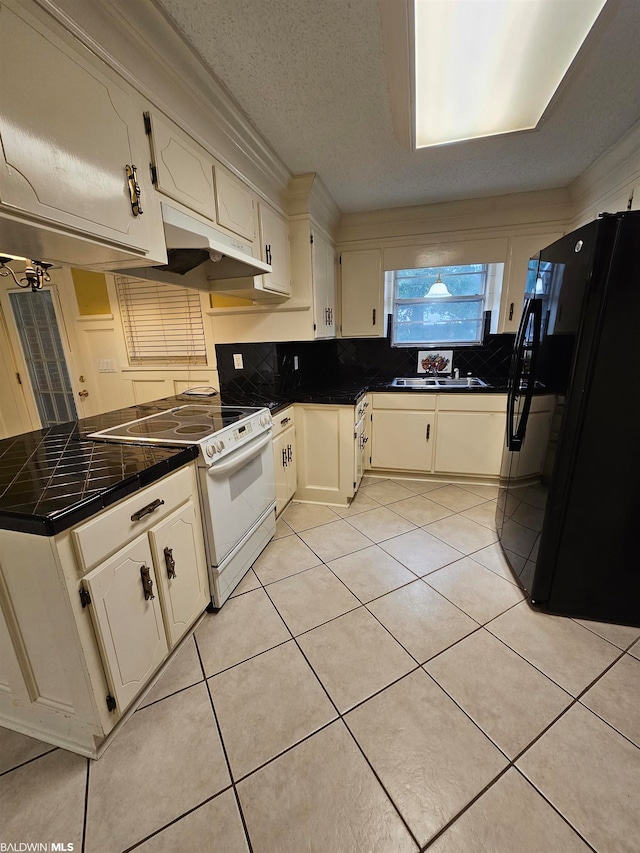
(237, 361)
(107, 365)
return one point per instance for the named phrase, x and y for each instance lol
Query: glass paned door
(39, 334)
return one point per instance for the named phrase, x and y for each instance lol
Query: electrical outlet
(237, 361)
(296, 362)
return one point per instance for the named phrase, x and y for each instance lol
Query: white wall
(89, 340)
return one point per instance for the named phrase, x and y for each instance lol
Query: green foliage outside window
(420, 319)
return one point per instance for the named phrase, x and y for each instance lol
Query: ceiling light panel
(484, 67)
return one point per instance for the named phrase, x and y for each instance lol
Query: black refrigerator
(572, 534)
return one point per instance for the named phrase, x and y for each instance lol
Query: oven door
(236, 493)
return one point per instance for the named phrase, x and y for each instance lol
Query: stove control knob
(219, 445)
(210, 450)
(265, 419)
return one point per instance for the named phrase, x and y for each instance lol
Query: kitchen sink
(438, 383)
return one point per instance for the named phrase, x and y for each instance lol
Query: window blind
(162, 323)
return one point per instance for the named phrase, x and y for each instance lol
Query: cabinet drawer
(418, 402)
(283, 420)
(472, 402)
(112, 529)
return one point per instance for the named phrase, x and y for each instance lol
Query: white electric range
(235, 477)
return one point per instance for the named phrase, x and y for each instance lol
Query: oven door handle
(235, 461)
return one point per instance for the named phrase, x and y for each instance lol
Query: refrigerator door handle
(515, 437)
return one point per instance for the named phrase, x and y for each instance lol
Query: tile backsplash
(322, 363)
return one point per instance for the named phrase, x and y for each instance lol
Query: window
(439, 305)
(162, 323)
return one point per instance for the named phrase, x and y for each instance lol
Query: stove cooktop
(183, 425)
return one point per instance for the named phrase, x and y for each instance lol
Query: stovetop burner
(187, 424)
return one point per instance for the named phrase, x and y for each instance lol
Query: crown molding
(308, 196)
(507, 212)
(135, 40)
(608, 175)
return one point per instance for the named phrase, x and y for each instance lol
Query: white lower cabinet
(128, 619)
(403, 431)
(284, 458)
(325, 437)
(458, 434)
(89, 617)
(177, 547)
(470, 434)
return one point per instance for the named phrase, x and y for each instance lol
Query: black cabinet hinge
(154, 173)
(314, 327)
(354, 484)
(147, 123)
(340, 260)
(111, 703)
(311, 238)
(85, 598)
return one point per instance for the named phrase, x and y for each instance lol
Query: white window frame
(438, 300)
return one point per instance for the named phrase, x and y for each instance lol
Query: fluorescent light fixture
(484, 67)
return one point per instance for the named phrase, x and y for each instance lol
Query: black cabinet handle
(428, 431)
(147, 583)
(511, 311)
(170, 563)
(152, 507)
(284, 457)
(289, 453)
(284, 421)
(373, 317)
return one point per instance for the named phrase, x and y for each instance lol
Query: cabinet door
(181, 569)
(362, 294)
(280, 471)
(68, 133)
(292, 467)
(402, 440)
(234, 204)
(129, 626)
(274, 237)
(513, 287)
(182, 171)
(323, 274)
(470, 442)
(534, 447)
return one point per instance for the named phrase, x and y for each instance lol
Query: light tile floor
(376, 682)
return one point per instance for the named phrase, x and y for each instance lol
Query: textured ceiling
(310, 75)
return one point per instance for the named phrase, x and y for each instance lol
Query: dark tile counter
(54, 478)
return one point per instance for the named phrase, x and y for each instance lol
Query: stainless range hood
(201, 257)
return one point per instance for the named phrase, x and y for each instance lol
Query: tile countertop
(53, 478)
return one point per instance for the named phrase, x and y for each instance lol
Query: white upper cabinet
(274, 239)
(182, 170)
(324, 286)
(70, 133)
(234, 204)
(521, 248)
(362, 294)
